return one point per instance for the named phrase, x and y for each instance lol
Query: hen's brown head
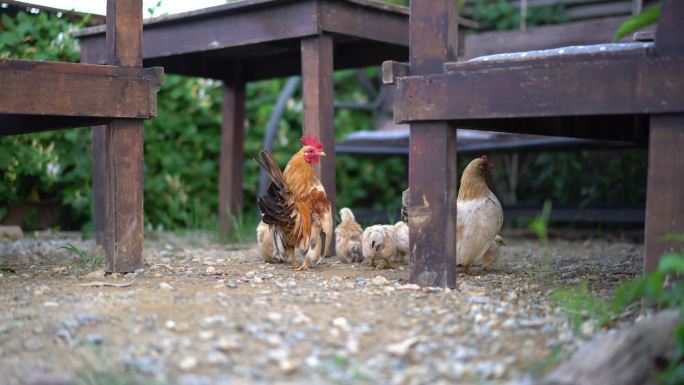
(312, 150)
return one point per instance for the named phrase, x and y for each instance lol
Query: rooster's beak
(321, 153)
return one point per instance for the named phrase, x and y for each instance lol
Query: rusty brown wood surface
(665, 188)
(319, 113)
(432, 153)
(263, 32)
(99, 168)
(638, 85)
(432, 214)
(391, 70)
(232, 153)
(97, 91)
(123, 148)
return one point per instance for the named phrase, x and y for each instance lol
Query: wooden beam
(84, 90)
(207, 31)
(319, 113)
(123, 145)
(347, 18)
(391, 70)
(13, 124)
(546, 37)
(432, 154)
(665, 188)
(232, 153)
(638, 85)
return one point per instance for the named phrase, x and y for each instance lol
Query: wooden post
(432, 154)
(665, 188)
(98, 167)
(124, 148)
(232, 153)
(319, 113)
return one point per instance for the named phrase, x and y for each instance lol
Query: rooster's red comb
(312, 141)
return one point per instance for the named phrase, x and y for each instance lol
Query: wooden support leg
(124, 224)
(99, 182)
(319, 113)
(124, 212)
(432, 214)
(665, 189)
(232, 153)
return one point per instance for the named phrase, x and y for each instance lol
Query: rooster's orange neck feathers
(299, 175)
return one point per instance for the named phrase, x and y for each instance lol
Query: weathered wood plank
(13, 124)
(222, 30)
(552, 36)
(352, 19)
(639, 85)
(319, 112)
(124, 224)
(665, 188)
(232, 153)
(432, 154)
(93, 92)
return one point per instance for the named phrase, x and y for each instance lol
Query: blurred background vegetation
(51, 171)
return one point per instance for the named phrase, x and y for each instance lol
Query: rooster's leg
(293, 259)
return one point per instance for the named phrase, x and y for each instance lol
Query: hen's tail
(273, 205)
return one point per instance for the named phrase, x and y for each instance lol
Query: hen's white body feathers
(478, 221)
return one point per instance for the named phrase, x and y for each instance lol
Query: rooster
(296, 206)
(479, 216)
(348, 238)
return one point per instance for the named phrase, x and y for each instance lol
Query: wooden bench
(40, 96)
(633, 93)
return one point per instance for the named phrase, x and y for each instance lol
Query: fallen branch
(103, 283)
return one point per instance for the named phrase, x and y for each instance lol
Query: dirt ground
(206, 313)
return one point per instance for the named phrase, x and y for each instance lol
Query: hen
(348, 238)
(265, 244)
(479, 216)
(379, 243)
(296, 207)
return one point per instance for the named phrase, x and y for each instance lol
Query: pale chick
(265, 244)
(402, 236)
(348, 238)
(479, 217)
(379, 243)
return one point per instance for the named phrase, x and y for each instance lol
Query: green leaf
(636, 22)
(671, 263)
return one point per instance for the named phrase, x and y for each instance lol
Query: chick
(492, 253)
(348, 238)
(265, 242)
(379, 242)
(402, 235)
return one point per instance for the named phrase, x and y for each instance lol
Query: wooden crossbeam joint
(391, 70)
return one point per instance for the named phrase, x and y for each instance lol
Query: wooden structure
(633, 93)
(260, 39)
(39, 96)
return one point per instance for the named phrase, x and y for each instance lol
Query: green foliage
(38, 37)
(648, 17)
(501, 15)
(659, 289)
(540, 224)
(86, 263)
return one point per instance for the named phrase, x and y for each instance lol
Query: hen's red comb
(485, 158)
(312, 141)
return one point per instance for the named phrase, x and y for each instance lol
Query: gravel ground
(205, 313)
